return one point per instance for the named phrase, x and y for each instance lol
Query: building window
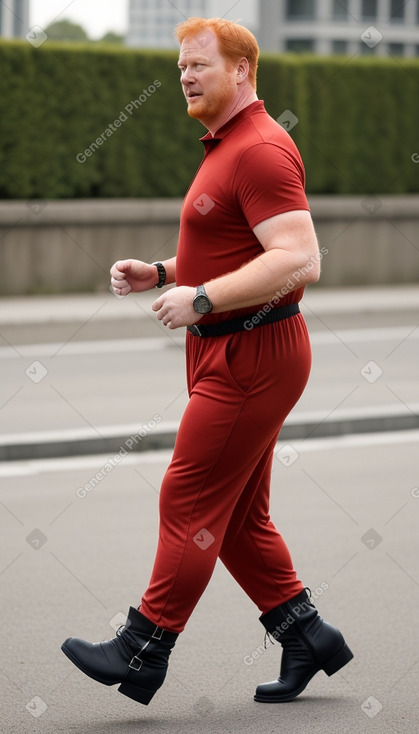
(397, 11)
(339, 47)
(340, 10)
(396, 49)
(300, 9)
(300, 45)
(366, 50)
(369, 10)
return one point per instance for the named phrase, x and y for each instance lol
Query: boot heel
(142, 695)
(338, 661)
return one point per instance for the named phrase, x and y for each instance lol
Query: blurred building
(378, 27)
(151, 22)
(14, 18)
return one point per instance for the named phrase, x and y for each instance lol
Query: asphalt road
(72, 566)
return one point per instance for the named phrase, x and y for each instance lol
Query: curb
(112, 440)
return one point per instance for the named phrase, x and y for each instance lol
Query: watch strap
(161, 270)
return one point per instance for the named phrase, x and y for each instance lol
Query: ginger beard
(213, 102)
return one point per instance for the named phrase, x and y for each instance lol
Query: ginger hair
(234, 40)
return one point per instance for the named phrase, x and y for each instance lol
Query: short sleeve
(269, 180)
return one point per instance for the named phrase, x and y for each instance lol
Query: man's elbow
(313, 274)
(308, 271)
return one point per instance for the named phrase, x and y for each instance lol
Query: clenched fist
(133, 276)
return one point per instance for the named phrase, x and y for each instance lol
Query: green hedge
(67, 130)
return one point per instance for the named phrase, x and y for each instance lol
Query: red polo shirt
(251, 171)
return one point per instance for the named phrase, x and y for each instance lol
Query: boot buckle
(136, 663)
(158, 633)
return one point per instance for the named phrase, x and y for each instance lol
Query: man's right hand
(133, 275)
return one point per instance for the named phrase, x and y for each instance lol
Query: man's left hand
(174, 308)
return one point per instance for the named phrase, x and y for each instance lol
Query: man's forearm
(261, 279)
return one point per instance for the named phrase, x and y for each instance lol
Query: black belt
(245, 323)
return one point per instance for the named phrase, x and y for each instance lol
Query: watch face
(202, 304)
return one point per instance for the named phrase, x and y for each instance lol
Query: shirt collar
(257, 106)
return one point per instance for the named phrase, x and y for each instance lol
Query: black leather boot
(137, 657)
(309, 645)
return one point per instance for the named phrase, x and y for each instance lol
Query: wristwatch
(161, 270)
(201, 302)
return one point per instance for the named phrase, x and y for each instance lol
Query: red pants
(214, 500)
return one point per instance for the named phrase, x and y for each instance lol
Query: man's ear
(242, 71)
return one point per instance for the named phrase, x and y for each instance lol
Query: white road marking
(118, 346)
(99, 346)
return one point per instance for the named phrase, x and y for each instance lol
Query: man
(247, 248)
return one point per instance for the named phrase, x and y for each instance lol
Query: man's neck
(240, 102)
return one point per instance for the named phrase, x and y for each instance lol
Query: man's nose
(187, 77)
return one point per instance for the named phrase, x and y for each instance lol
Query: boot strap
(158, 633)
(136, 662)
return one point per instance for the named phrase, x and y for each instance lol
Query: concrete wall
(68, 246)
